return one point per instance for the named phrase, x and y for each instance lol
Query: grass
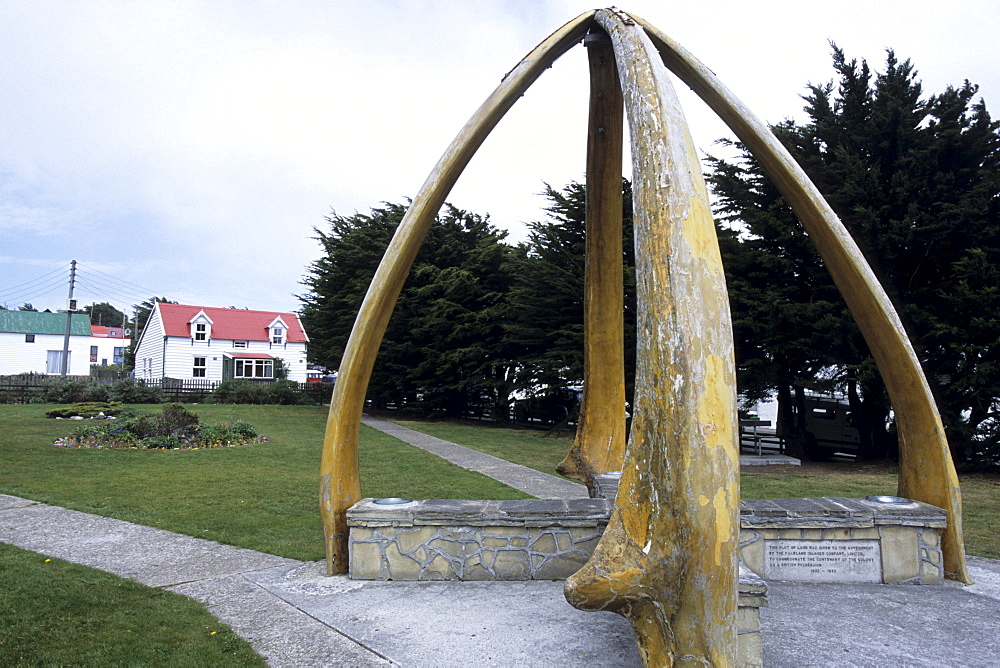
(980, 492)
(262, 496)
(536, 449)
(57, 613)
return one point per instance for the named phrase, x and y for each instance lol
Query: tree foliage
(477, 318)
(444, 345)
(917, 183)
(546, 324)
(104, 314)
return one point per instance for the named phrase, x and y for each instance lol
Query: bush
(174, 427)
(161, 442)
(134, 391)
(176, 419)
(286, 393)
(86, 410)
(239, 392)
(242, 430)
(67, 391)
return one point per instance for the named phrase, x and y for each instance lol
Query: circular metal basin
(887, 499)
(391, 501)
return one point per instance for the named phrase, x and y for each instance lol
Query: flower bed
(175, 428)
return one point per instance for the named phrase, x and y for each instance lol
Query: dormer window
(278, 332)
(201, 327)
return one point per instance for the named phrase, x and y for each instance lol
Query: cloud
(194, 146)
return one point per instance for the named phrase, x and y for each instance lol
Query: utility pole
(69, 318)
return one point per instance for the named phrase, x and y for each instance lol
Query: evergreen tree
(917, 183)
(444, 348)
(546, 324)
(104, 314)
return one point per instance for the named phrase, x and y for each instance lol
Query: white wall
(106, 348)
(181, 352)
(17, 356)
(149, 353)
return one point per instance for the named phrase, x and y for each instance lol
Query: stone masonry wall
(538, 539)
(842, 540)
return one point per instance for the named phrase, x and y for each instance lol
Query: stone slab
(458, 623)
(823, 560)
(769, 460)
(848, 625)
(276, 629)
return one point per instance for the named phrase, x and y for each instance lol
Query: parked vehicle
(829, 427)
(550, 407)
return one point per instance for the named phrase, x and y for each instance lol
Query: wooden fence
(33, 388)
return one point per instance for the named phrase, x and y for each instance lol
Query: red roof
(101, 331)
(229, 323)
(249, 356)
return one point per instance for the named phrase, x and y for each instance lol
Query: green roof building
(32, 342)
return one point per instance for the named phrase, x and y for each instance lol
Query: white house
(183, 342)
(32, 342)
(107, 345)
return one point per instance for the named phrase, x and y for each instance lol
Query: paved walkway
(529, 481)
(293, 615)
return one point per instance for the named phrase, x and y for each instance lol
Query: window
(119, 357)
(93, 353)
(200, 367)
(201, 332)
(29, 338)
(254, 369)
(239, 344)
(277, 335)
(54, 361)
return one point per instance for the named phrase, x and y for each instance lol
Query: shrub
(86, 410)
(286, 393)
(174, 427)
(134, 391)
(161, 442)
(67, 391)
(176, 419)
(239, 392)
(242, 430)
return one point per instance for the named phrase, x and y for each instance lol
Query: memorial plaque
(823, 560)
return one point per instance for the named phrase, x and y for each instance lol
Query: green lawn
(536, 449)
(54, 613)
(980, 492)
(263, 496)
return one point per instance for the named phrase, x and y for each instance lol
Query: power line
(125, 284)
(32, 287)
(89, 281)
(34, 292)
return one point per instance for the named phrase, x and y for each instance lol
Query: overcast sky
(188, 149)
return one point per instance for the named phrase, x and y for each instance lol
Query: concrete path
(294, 615)
(529, 481)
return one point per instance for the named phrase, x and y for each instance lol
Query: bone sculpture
(668, 560)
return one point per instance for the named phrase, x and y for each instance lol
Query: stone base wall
(536, 539)
(842, 540)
